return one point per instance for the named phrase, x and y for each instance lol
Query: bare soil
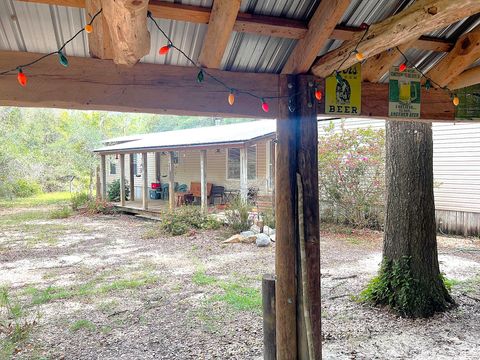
(113, 287)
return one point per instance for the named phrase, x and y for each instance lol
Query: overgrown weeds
(98, 206)
(78, 200)
(237, 215)
(16, 324)
(61, 213)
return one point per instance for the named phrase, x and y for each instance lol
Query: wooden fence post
(268, 299)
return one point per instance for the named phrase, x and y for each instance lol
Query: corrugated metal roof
(212, 135)
(43, 28)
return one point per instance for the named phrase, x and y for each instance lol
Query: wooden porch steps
(264, 202)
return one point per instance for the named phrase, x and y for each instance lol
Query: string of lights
(428, 81)
(62, 58)
(203, 73)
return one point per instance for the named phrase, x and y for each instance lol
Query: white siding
(456, 162)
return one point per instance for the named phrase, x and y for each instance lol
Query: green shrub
(185, 218)
(268, 217)
(78, 200)
(237, 215)
(114, 191)
(25, 188)
(100, 207)
(61, 213)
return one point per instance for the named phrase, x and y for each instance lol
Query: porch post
(171, 181)
(145, 181)
(122, 179)
(298, 311)
(98, 189)
(103, 173)
(243, 174)
(132, 177)
(158, 169)
(203, 180)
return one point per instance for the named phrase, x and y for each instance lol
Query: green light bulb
(62, 59)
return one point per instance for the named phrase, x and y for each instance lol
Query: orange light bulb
(359, 55)
(88, 28)
(231, 98)
(22, 78)
(456, 100)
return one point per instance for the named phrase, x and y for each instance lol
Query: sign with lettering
(404, 93)
(343, 95)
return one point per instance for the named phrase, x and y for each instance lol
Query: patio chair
(218, 192)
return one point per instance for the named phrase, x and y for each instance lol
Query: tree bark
(410, 243)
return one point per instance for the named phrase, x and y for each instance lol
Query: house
(231, 151)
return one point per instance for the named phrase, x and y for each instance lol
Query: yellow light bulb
(88, 28)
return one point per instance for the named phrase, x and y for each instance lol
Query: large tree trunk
(410, 279)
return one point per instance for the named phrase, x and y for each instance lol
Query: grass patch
(24, 216)
(83, 324)
(37, 200)
(52, 293)
(61, 213)
(200, 278)
(353, 240)
(240, 297)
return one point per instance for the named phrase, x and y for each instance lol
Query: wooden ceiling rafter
(252, 23)
(467, 78)
(422, 17)
(465, 52)
(220, 27)
(321, 25)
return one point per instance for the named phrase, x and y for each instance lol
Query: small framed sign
(343, 95)
(404, 93)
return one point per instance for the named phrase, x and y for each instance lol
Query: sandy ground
(112, 287)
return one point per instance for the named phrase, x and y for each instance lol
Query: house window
(233, 162)
(136, 165)
(113, 167)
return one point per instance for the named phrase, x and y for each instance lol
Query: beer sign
(404, 93)
(343, 94)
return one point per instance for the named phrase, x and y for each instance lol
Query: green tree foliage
(351, 175)
(52, 149)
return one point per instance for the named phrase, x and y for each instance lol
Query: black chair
(218, 192)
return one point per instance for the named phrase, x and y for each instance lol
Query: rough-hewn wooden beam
(99, 40)
(465, 52)
(320, 27)
(255, 24)
(127, 23)
(467, 78)
(421, 17)
(220, 27)
(377, 66)
(101, 85)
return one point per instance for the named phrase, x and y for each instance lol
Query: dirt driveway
(113, 287)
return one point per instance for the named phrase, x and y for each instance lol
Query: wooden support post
(103, 174)
(158, 167)
(243, 174)
(98, 190)
(297, 217)
(171, 181)
(268, 299)
(132, 176)
(145, 181)
(122, 179)
(203, 180)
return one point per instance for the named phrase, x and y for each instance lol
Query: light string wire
(20, 67)
(407, 61)
(210, 75)
(354, 51)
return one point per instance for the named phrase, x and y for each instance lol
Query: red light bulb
(265, 106)
(164, 49)
(402, 67)
(318, 95)
(22, 78)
